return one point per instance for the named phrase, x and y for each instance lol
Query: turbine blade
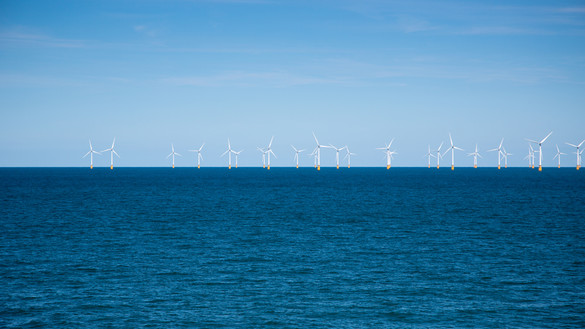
(547, 136)
(270, 144)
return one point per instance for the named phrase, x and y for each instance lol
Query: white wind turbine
(348, 156)
(90, 153)
(173, 153)
(229, 153)
(263, 156)
(540, 149)
(452, 149)
(429, 155)
(268, 151)
(439, 156)
(236, 154)
(199, 156)
(505, 155)
(578, 153)
(388, 153)
(530, 156)
(475, 155)
(112, 152)
(499, 149)
(297, 155)
(559, 153)
(317, 152)
(336, 153)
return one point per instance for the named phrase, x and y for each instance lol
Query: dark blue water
(287, 248)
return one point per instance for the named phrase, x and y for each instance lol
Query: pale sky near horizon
(357, 73)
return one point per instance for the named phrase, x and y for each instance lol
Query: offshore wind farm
(292, 164)
(388, 154)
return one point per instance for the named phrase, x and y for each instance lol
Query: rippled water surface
(288, 248)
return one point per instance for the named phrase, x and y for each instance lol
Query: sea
(292, 248)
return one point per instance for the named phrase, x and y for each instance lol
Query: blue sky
(358, 73)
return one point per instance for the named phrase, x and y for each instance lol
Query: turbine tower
(348, 156)
(173, 153)
(439, 156)
(336, 154)
(388, 153)
(499, 149)
(505, 156)
(112, 152)
(90, 153)
(199, 156)
(475, 155)
(263, 157)
(317, 152)
(559, 153)
(429, 155)
(540, 149)
(530, 156)
(578, 153)
(268, 151)
(297, 155)
(452, 149)
(236, 154)
(229, 153)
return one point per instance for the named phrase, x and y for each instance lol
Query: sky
(356, 73)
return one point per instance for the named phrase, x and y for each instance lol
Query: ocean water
(288, 248)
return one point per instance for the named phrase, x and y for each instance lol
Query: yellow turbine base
(437, 166)
(173, 166)
(506, 167)
(452, 167)
(297, 166)
(429, 166)
(236, 166)
(387, 167)
(559, 166)
(263, 166)
(532, 166)
(578, 167)
(268, 167)
(318, 167)
(91, 167)
(230, 167)
(112, 167)
(539, 168)
(498, 166)
(198, 167)
(348, 166)
(475, 166)
(337, 166)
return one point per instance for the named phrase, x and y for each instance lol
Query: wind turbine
(263, 157)
(578, 153)
(317, 151)
(429, 155)
(439, 156)
(505, 155)
(297, 155)
(348, 156)
(229, 153)
(530, 156)
(268, 150)
(559, 153)
(475, 155)
(112, 152)
(388, 153)
(236, 154)
(452, 149)
(499, 149)
(173, 153)
(540, 149)
(90, 153)
(336, 153)
(199, 156)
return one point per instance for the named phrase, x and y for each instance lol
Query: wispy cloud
(20, 36)
(251, 79)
